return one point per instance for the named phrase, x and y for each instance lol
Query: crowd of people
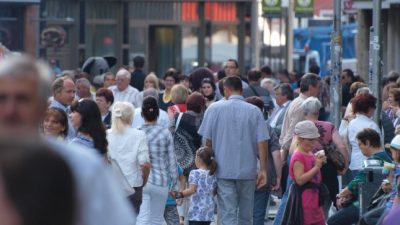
(190, 149)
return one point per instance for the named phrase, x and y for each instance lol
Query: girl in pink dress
(305, 167)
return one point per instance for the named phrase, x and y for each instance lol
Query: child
(202, 188)
(171, 215)
(305, 171)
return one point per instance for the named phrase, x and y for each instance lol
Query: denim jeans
(260, 206)
(236, 201)
(153, 205)
(282, 205)
(345, 216)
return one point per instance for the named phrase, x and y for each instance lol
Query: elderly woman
(104, 99)
(128, 146)
(328, 134)
(170, 79)
(369, 144)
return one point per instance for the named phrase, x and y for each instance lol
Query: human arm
(143, 157)
(185, 193)
(172, 169)
(302, 177)
(337, 140)
(208, 143)
(276, 155)
(262, 153)
(182, 186)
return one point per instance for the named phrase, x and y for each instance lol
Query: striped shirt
(162, 155)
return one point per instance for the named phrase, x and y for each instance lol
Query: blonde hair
(151, 77)
(179, 94)
(122, 116)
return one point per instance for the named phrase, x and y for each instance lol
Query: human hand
(320, 161)
(261, 179)
(277, 185)
(386, 186)
(179, 201)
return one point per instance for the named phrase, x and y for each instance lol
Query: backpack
(183, 147)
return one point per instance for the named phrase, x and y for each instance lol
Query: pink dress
(313, 214)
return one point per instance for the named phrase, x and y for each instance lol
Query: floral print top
(202, 204)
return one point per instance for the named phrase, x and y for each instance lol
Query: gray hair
(151, 92)
(83, 81)
(23, 67)
(364, 90)
(268, 80)
(311, 106)
(123, 72)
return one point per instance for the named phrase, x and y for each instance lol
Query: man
(109, 80)
(346, 81)
(123, 92)
(283, 97)
(24, 89)
(309, 86)
(63, 95)
(235, 130)
(254, 89)
(83, 89)
(137, 76)
(162, 119)
(231, 70)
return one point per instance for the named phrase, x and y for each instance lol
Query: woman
(179, 95)
(163, 166)
(86, 119)
(186, 138)
(170, 79)
(369, 143)
(393, 110)
(55, 123)
(363, 107)
(128, 146)
(104, 99)
(328, 134)
(151, 81)
(208, 90)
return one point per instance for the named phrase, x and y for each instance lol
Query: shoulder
(133, 90)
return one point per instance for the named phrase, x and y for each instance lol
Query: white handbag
(128, 190)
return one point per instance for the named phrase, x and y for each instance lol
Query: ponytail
(213, 166)
(206, 155)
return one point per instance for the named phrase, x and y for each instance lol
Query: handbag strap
(254, 90)
(178, 120)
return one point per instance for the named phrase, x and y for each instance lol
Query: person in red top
(179, 94)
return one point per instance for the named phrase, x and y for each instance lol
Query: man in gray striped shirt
(236, 131)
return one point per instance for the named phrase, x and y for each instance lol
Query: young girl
(202, 188)
(305, 168)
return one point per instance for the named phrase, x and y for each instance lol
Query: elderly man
(123, 92)
(235, 130)
(63, 95)
(283, 96)
(24, 89)
(83, 89)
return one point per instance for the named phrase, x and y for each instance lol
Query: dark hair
(209, 81)
(221, 74)
(196, 102)
(234, 61)
(106, 93)
(91, 123)
(370, 135)
(138, 61)
(60, 116)
(350, 73)
(150, 109)
(221, 86)
(285, 73)
(266, 69)
(198, 75)
(286, 90)
(307, 80)
(171, 72)
(183, 77)
(38, 183)
(254, 75)
(257, 101)
(314, 69)
(234, 83)
(206, 155)
(361, 103)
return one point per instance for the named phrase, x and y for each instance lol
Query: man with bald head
(123, 92)
(24, 90)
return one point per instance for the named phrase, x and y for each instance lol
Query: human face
(363, 147)
(231, 69)
(314, 91)
(109, 80)
(76, 119)
(21, 107)
(391, 100)
(280, 99)
(83, 91)
(207, 89)
(67, 94)
(102, 104)
(122, 82)
(307, 144)
(169, 82)
(345, 79)
(52, 127)
(149, 84)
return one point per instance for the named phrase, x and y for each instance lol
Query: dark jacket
(137, 79)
